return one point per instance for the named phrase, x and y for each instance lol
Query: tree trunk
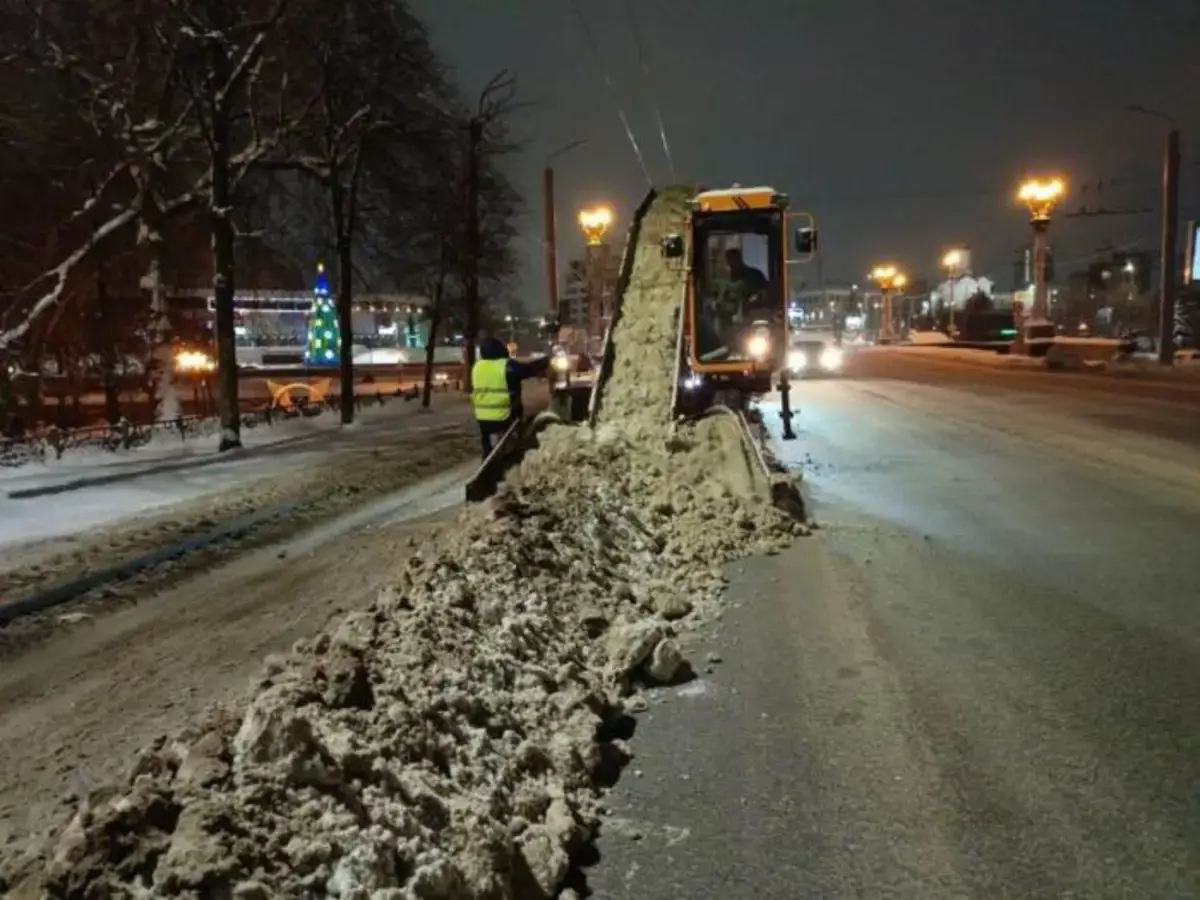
(33, 403)
(343, 200)
(221, 213)
(33, 363)
(346, 327)
(163, 395)
(435, 322)
(108, 354)
(223, 292)
(471, 269)
(345, 289)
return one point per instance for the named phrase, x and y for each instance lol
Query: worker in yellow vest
(496, 389)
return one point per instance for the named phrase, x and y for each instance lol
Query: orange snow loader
(733, 332)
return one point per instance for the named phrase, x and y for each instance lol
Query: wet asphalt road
(980, 679)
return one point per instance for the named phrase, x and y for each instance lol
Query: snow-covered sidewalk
(89, 490)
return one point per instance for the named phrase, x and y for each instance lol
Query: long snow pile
(447, 742)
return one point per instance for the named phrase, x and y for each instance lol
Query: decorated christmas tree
(324, 336)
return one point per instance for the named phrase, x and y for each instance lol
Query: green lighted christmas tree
(324, 336)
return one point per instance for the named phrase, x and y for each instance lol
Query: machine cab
(735, 315)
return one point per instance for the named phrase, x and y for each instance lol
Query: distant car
(808, 358)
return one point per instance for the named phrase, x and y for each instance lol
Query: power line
(1152, 240)
(645, 66)
(608, 82)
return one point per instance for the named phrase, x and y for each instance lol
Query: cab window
(737, 282)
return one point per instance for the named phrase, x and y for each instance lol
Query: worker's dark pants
(490, 433)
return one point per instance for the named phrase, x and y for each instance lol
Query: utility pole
(1170, 236)
(890, 280)
(550, 238)
(550, 234)
(471, 267)
(594, 223)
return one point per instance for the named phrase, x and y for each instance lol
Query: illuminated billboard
(1191, 268)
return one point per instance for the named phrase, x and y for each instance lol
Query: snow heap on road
(448, 741)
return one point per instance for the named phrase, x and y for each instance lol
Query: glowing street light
(890, 279)
(1040, 196)
(594, 222)
(886, 276)
(194, 362)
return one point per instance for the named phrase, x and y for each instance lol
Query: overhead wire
(611, 85)
(644, 65)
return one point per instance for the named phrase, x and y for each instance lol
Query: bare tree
(222, 56)
(372, 67)
(104, 53)
(488, 140)
(447, 255)
(119, 118)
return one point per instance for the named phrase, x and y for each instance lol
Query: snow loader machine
(732, 340)
(733, 327)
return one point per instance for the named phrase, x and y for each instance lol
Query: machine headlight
(831, 359)
(692, 382)
(797, 361)
(560, 363)
(758, 345)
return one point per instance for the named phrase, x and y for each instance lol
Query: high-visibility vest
(490, 399)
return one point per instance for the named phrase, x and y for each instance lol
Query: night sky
(903, 126)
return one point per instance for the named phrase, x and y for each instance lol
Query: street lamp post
(1130, 270)
(550, 231)
(952, 262)
(594, 222)
(890, 279)
(1040, 197)
(1170, 236)
(899, 283)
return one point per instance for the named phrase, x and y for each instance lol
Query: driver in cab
(736, 294)
(744, 281)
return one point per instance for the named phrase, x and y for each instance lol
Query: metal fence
(53, 442)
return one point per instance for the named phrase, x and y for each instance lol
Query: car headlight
(797, 361)
(758, 345)
(831, 358)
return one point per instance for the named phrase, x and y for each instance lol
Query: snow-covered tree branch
(128, 123)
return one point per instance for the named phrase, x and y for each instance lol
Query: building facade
(589, 288)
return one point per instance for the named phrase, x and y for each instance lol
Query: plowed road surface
(981, 679)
